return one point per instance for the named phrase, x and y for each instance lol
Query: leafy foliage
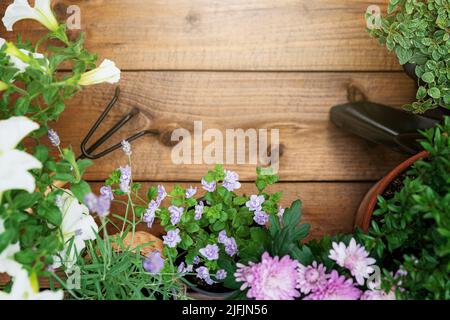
(411, 231)
(418, 33)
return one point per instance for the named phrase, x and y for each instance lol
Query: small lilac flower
(255, 203)
(199, 211)
(154, 263)
(203, 273)
(231, 247)
(54, 137)
(106, 192)
(221, 274)
(208, 186)
(190, 192)
(91, 202)
(172, 239)
(196, 260)
(149, 216)
(222, 238)
(125, 178)
(261, 218)
(126, 147)
(280, 213)
(181, 268)
(231, 181)
(99, 205)
(175, 214)
(210, 252)
(162, 194)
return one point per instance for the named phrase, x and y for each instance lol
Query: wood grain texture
(226, 35)
(298, 104)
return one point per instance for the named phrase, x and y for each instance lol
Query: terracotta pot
(368, 204)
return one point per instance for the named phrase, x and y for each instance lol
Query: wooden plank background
(278, 64)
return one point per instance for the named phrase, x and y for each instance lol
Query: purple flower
(149, 215)
(54, 137)
(162, 194)
(231, 247)
(172, 239)
(126, 147)
(175, 214)
(182, 268)
(125, 178)
(280, 213)
(231, 181)
(271, 279)
(208, 186)
(221, 274)
(255, 203)
(337, 288)
(355, 258)
(312, 278)
(190, 192)
(378, 295)
(203, 273)
(106, 192)
(99, 205)
(261, 218)
(222, 238)
(154, 263)
(199, 211)
(196, 260)
(210, 252)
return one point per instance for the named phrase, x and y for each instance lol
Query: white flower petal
(14, 175)
(7, 262)
(21, 10)
(106, 72)
(13, 130)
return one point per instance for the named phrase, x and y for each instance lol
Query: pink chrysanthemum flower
(271, 279)
(337, 288)
(312, 278)
(355, 258)
(244, 274)
(378, 295)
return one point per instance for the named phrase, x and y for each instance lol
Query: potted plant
(405, 219)
(417, 31)
(207, 234)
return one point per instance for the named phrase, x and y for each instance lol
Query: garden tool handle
(393, 128)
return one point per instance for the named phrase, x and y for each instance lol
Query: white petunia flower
(24, 288)
(78, 225)
(21, 10)
(14, 164)
(106, 72)
(20, 58)
(7, 262)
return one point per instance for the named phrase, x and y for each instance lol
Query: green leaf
(80, 190)
(428, 77)
(434, 93)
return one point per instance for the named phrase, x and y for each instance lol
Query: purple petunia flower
(154, 263)
(231, 181)
(261, 218)
(208, 186)
(190, 192)
(172, 239)
(106, 192)
(255, 203)
(337, 288)
(126, 147)
(199, 211)
(162, 194)
(54, 137)
(221, 274)
(203, 273)
(210, 252)
(175, 214)
(125, 178)
(312, 278)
